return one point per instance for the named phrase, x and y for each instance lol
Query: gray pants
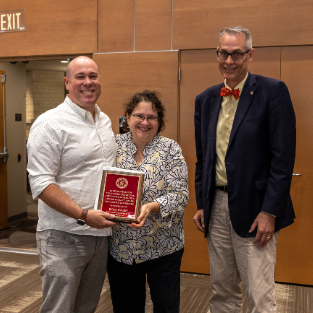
(73, 269)
(234, 259)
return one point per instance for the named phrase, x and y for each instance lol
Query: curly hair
(146, 96)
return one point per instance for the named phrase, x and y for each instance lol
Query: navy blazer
(260, 154)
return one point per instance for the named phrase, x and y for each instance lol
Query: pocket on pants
(64, 244)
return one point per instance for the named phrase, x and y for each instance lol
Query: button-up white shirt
(68, 149)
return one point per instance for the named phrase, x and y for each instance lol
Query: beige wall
(44, 91)
(16, 136)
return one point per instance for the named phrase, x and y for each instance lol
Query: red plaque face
(120, 195)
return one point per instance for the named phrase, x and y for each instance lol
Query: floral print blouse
(166, 181)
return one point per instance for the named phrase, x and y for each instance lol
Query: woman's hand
(145, 210)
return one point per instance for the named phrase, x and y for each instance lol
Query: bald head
(79, 59)
(83, 82)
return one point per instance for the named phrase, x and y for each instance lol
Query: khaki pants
(72, 272)
(234, 259)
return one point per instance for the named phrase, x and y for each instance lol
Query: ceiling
(51, 65)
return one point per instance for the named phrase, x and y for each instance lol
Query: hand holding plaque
(120, 193)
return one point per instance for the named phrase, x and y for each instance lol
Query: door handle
(296, 174)
(4, 155)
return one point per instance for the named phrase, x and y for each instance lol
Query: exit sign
(12, 21)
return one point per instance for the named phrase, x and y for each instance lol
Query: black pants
(128, 284)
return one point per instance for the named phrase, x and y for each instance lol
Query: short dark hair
(146, 96)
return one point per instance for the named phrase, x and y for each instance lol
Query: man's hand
(61, 202)
(199, 220)
(266, 226)
(99, 219)
(145, 210)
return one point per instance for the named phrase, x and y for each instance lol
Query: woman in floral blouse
(153, 248)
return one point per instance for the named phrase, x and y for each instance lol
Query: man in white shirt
(67, 149)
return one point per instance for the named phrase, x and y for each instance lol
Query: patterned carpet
(20, 285)
(20, 290)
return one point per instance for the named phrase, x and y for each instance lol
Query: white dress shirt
(68, 149)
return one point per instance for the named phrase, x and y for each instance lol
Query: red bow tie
(225, 92)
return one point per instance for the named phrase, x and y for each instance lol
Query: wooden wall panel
(124, 74)
(153, 25)
(266, 62)
(199, 70)
(52, 27)
(115, 25)
(295, 254)
(196, 23)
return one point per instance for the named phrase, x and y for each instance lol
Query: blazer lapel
(243, 105)
(215, 109)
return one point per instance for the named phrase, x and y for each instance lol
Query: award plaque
(120, 193)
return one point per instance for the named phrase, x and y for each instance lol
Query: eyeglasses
(236, 56)
(142, 117)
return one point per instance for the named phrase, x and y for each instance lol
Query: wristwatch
(82, 219)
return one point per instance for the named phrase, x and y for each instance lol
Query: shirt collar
(132, 145)
(80, 111)
(240, 85)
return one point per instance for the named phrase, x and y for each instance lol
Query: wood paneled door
(3, 166)
(295, 252)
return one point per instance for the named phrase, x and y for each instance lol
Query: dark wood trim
(17, 217)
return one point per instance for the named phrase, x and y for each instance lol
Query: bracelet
(268, 214)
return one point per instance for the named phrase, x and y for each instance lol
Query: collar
(239, 86)
(132, 146)
(80, 111)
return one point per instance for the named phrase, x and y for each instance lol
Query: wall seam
(134, 25)
(97, 25)
(178, 98)
(281, 57)
(172, 26)
(135, 51)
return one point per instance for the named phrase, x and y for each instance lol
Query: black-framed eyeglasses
(142, 117)
(236, 56)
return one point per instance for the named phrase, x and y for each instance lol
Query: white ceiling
(52, 65)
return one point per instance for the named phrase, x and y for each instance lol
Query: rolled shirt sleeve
(68, 148)
(44, 154)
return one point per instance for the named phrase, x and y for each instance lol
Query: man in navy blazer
(245, 144)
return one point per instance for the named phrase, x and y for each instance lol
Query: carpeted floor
(20, 285)
(20, 290)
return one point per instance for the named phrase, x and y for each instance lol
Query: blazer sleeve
(282, 138)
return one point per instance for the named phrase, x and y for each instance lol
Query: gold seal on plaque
(121, 183)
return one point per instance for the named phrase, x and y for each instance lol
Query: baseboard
(17, 217)
(3, 226)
